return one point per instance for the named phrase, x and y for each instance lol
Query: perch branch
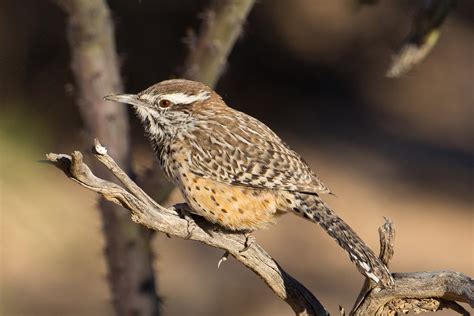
(95, 68)
(176, 222)
(418, 291)
(222, 24)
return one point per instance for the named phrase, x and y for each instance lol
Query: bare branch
(418, 291)
(176, 222)
(221, 27)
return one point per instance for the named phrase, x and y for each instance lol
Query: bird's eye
(164, 104)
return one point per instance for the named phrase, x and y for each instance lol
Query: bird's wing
(243, 151)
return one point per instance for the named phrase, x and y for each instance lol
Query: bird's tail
(314, 209)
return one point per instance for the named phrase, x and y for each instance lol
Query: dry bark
(420, 291)
(178, 222)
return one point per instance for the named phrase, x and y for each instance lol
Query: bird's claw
(182, 209)
(223, 259)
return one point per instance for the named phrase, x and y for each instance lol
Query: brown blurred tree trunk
(95, 67)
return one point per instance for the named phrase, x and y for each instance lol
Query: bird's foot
(223, 259)
(183, 210)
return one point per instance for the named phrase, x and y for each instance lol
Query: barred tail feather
(314, 209)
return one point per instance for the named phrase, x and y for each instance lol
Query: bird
(234, 171)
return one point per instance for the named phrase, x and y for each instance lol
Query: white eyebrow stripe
(148, 97)
(182, 98)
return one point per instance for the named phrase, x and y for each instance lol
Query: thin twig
(100, 153)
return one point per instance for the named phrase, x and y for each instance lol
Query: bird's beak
(125, 98)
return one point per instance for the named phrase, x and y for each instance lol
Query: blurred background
(314, 71)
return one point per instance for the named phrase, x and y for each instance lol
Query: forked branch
(419, 291)
(177, 221)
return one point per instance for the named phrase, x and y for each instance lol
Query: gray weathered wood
(178, 222)
(418, 291)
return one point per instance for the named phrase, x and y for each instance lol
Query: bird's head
(168, 107)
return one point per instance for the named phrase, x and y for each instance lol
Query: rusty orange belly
(233, 207)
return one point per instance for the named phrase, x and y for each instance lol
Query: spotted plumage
(233, 170)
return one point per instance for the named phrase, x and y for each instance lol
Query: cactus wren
(235, 171)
